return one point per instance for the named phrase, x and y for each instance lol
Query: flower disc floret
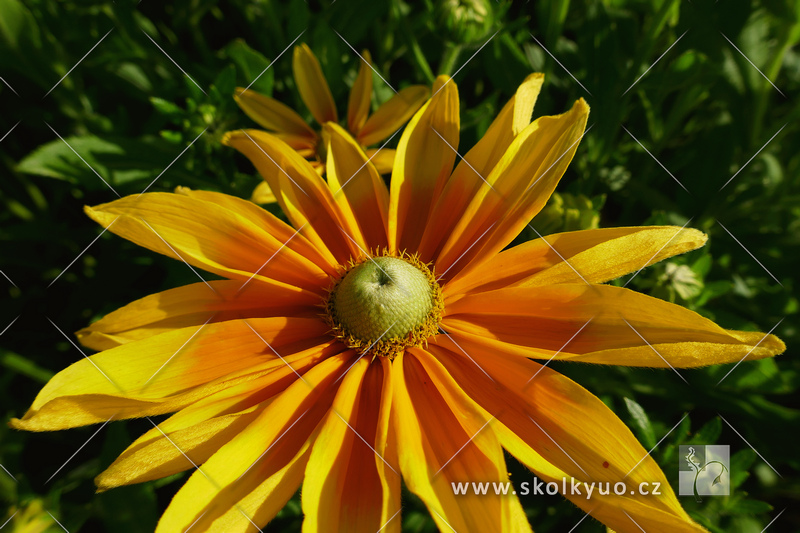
(385, 304)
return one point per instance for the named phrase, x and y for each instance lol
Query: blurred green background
(700, 106)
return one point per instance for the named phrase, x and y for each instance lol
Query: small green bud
(464, 21)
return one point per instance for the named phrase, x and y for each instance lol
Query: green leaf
(641, 423)
(17, 25)
(24, 366)
(117, 161)
(252, 66)
(749, 507)
(225, 81)
(709, 433)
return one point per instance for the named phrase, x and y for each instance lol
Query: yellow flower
(368, 130)
(268, 395)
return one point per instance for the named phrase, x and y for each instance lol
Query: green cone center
(381, 299)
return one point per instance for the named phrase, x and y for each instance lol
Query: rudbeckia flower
(387, 335)
(367, 129)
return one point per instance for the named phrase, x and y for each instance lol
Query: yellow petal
(471, 172)
(444, 438)
(271, 114)
(265, 220)
(303, 196)
(311, 83)
(262, 194)
(346, 477)
(255, 462)
(601, 324)
(356, 186)
(562, 431)
(223, 239)
(596, 255)
(156, 455)
(165, 373)
(391, 116)
(422, 165)
(193, 305)
(381, 159)
(196, 432)
(360, 95)
(514, 191)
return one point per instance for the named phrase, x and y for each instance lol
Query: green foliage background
(702, 109)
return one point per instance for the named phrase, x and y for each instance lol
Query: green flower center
(384, 305)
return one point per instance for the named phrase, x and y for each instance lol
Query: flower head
(386, 335)
(368, 130)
